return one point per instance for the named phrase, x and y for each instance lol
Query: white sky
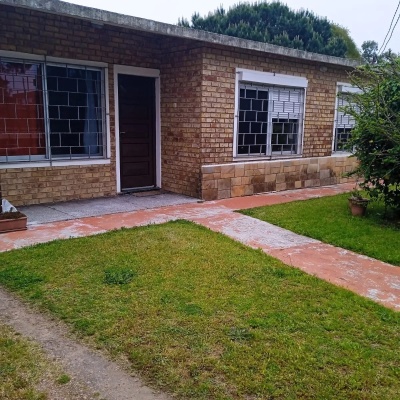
(365, 19)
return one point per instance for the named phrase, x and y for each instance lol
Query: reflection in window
(50, 111)
(344, 123)
(75, 111)
(22, 131)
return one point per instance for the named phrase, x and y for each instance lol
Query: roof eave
(111, 18)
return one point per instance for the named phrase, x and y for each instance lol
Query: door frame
(149, 73)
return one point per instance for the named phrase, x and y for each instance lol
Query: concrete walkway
(45, 213)
(368, 277)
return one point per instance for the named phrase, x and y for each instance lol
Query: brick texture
(197, 107)
(181, 77)
(218, 99)
(39, 33)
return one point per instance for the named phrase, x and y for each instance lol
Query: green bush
(375, 138)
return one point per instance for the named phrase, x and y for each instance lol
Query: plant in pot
(357, 203)
(10, 219)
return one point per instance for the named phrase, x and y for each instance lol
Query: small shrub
(118, 276)
(63, 379)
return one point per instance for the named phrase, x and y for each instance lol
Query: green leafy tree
(370, 51)
(371, 55)
(376, 136)
(343, 33)
(277, 24)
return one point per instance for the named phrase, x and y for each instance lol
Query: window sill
(266, 158)
(53, 163)
(341, 154)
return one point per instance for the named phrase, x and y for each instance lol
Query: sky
(365, 19)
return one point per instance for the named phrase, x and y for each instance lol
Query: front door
(137, 131)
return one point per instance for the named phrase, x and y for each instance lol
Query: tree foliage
(370, 53)
(376, 136)
(352, 49)
(277, 24)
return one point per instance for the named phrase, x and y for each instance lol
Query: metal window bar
(76, 111)
(85, 128)
(21, 104)
(269, 120)
(344, 124)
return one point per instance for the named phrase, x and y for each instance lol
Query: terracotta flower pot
(358, 206)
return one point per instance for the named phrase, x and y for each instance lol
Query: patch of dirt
(74, 389)
(92, 375)
(11, 215)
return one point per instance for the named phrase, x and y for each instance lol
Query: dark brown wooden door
(137, 131)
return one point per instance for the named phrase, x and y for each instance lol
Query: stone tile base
(247, 178)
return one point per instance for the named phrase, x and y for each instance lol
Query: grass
(63, 379)
(204, 317)
(21, 367)
(328, 219)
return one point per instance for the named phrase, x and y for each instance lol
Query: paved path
(368, 277)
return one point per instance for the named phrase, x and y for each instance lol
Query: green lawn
(329, 220)
(204, 317)
(21, 367)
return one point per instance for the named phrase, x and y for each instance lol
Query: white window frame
(75, 161)
(273, 79)
(341, 87)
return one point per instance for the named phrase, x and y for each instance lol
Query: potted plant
(357, 203)
(10, 219)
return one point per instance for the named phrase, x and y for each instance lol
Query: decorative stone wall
(246, 178)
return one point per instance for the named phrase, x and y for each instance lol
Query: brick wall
(197, 101)
(181, 78)
(40, 33)
(52, 184)
(218, 102)
(224, 179)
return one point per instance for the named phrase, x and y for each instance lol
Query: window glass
(344, 123)
(270, 120)
(75, 111)
(22, 128)
(50, 111)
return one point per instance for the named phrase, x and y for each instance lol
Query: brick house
(94, 103)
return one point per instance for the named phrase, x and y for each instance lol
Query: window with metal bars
(50, 111)
(344, 123)
(270, 120)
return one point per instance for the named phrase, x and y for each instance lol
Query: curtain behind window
(22, 130)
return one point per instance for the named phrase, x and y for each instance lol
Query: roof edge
(107, 17)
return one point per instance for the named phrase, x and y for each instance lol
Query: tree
(277, 24)
(352, 49)
(375, 138)
(370, 53)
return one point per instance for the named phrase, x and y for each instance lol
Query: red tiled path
(368, 277)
